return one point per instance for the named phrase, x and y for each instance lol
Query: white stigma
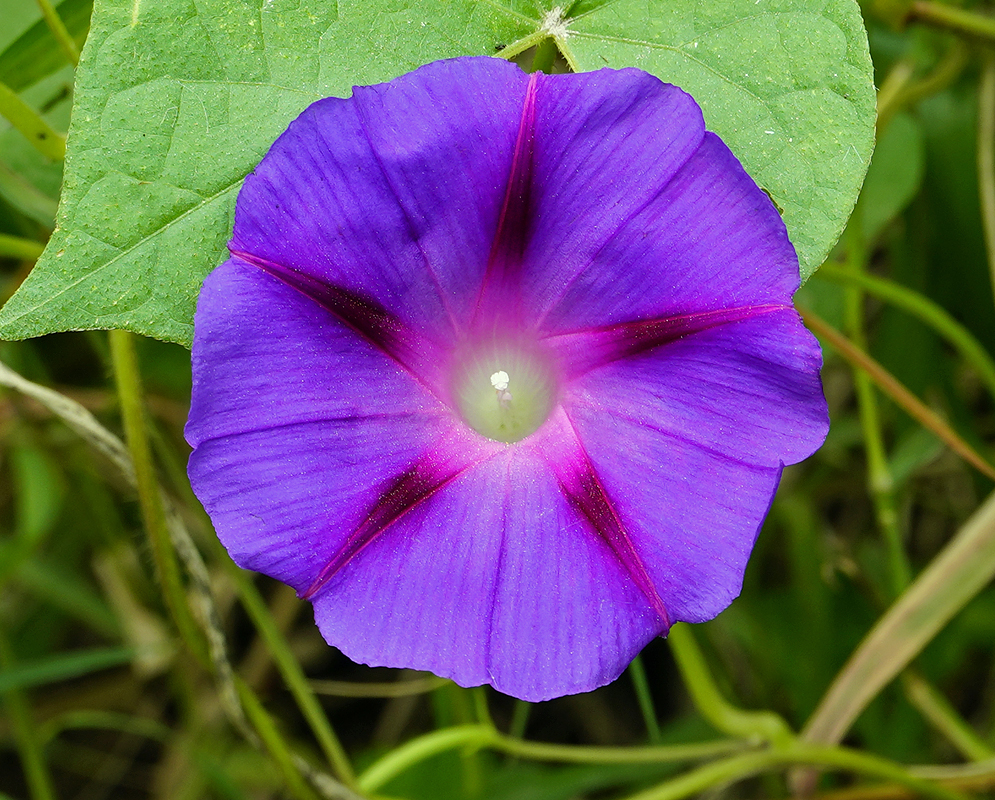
(500, 380)
(491, 401)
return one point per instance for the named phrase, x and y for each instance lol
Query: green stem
(986, 157)
(19, 248)
(29, 748)
(58, 29)
(129, 388)
(45, 139)
(568, 54)
(938, 711)
(274, 743)
(892, 387)
(518, 47)
(720, 773)
(925, 310)
(880, 483)
(544, 56)
(480, 708)
(639, 682)
(955, 19)
(484, 736)
(753, 726)
(293, 675)
(519, 719)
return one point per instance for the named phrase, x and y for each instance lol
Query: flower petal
(605, 144)
(693, 514)
(298, 423)
(394, 192)
(710, 239)
(689, 440)
(749, 390)
(497, 579)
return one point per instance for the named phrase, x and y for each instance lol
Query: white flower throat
(504, 392)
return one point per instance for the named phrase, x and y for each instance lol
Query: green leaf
(787, 84)
(178, 100)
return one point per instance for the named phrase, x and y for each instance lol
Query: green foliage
(786, 84)
(105, 691)
(176, 102)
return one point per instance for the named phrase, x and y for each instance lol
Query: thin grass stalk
(880, 483)
(892, 387)
(25, 731)
(926, 311)
(62, 36)
(83, 423)
(986, 157)
(293, 675)
(42, 136)
(642, 688)
(129, 387)
(273, 742)
(936, 709)
(961, 570)
(392, 689)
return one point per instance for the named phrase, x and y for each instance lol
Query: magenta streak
(585, 492)
(583, 351)
(363, 315)
(512, 230)
(408, 490)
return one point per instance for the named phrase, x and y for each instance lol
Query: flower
(502, 372)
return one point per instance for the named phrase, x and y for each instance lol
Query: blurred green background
(103, 698)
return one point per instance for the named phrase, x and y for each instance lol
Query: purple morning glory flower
(502, 372)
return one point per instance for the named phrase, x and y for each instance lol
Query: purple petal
(708, 240)
(394, 193)
(578, 353)
(298, 423)
(606, 143)
(749, 390)
(389, 240)
(689, 440)
(497, 579)
(692, 513)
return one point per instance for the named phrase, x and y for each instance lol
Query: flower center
(504, 391)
